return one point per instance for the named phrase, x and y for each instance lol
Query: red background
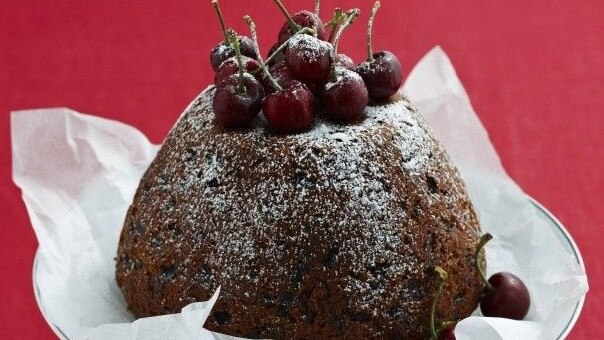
(534, 71)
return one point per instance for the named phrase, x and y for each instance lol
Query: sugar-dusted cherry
(238, 98)
(276, 55)
(345, 61)
(381, 71)
(281, 73)
(300, 20)
(231, 66)
(346, 97)
(290, 109)
(505, 295)
(308, 58)
(224, 50)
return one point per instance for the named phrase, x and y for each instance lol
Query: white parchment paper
(78, 174)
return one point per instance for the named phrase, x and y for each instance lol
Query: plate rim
(567, 329)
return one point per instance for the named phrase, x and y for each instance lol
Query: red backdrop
(534, 71)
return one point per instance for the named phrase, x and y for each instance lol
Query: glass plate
(556, 227)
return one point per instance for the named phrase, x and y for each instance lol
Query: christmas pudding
(320, 204)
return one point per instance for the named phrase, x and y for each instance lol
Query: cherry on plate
(507, 297)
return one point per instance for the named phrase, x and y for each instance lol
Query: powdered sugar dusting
(308, 47)
(361, 204)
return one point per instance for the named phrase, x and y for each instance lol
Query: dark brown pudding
(333, 233)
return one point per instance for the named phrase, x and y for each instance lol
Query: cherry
(290, 109)
(347, 97)
(278, 56)
(382, 71)
(224, 50)
(300, 20)
(234, 109)
(447, 334)
(508, 297)
(345, 61)
(238, 98)
(281, 73)
(231, 66)
(382, 75)
(505, 295)
(308, 58)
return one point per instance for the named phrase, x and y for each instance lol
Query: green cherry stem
(317, 7)
(221, 19)
(317, 11)
(350, 16)
(442, 279)
(291, 21)
(483, 241)
(335, 22)
(248, 19)
(374, 10)
(232, 36)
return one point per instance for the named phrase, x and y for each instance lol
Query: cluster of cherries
(303, 70)
(504, 296)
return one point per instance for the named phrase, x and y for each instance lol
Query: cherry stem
(221, 19)
(483, 241)
(350, 16)
(317, 10)
(248, 19)
(374, 10)
(335, 22)
(291, 21)
(442, 279)
(447, 324)
(235, 43)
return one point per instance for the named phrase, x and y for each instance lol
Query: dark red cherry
(280, 73)
(223, 51)
(346, 98)
(234, 108)
(346, 61)
(291, 109)
(507, 298)
(447, 334)
(304, 19)
(382, 75)
(279, 57)
(308, 58)
(230, 67)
